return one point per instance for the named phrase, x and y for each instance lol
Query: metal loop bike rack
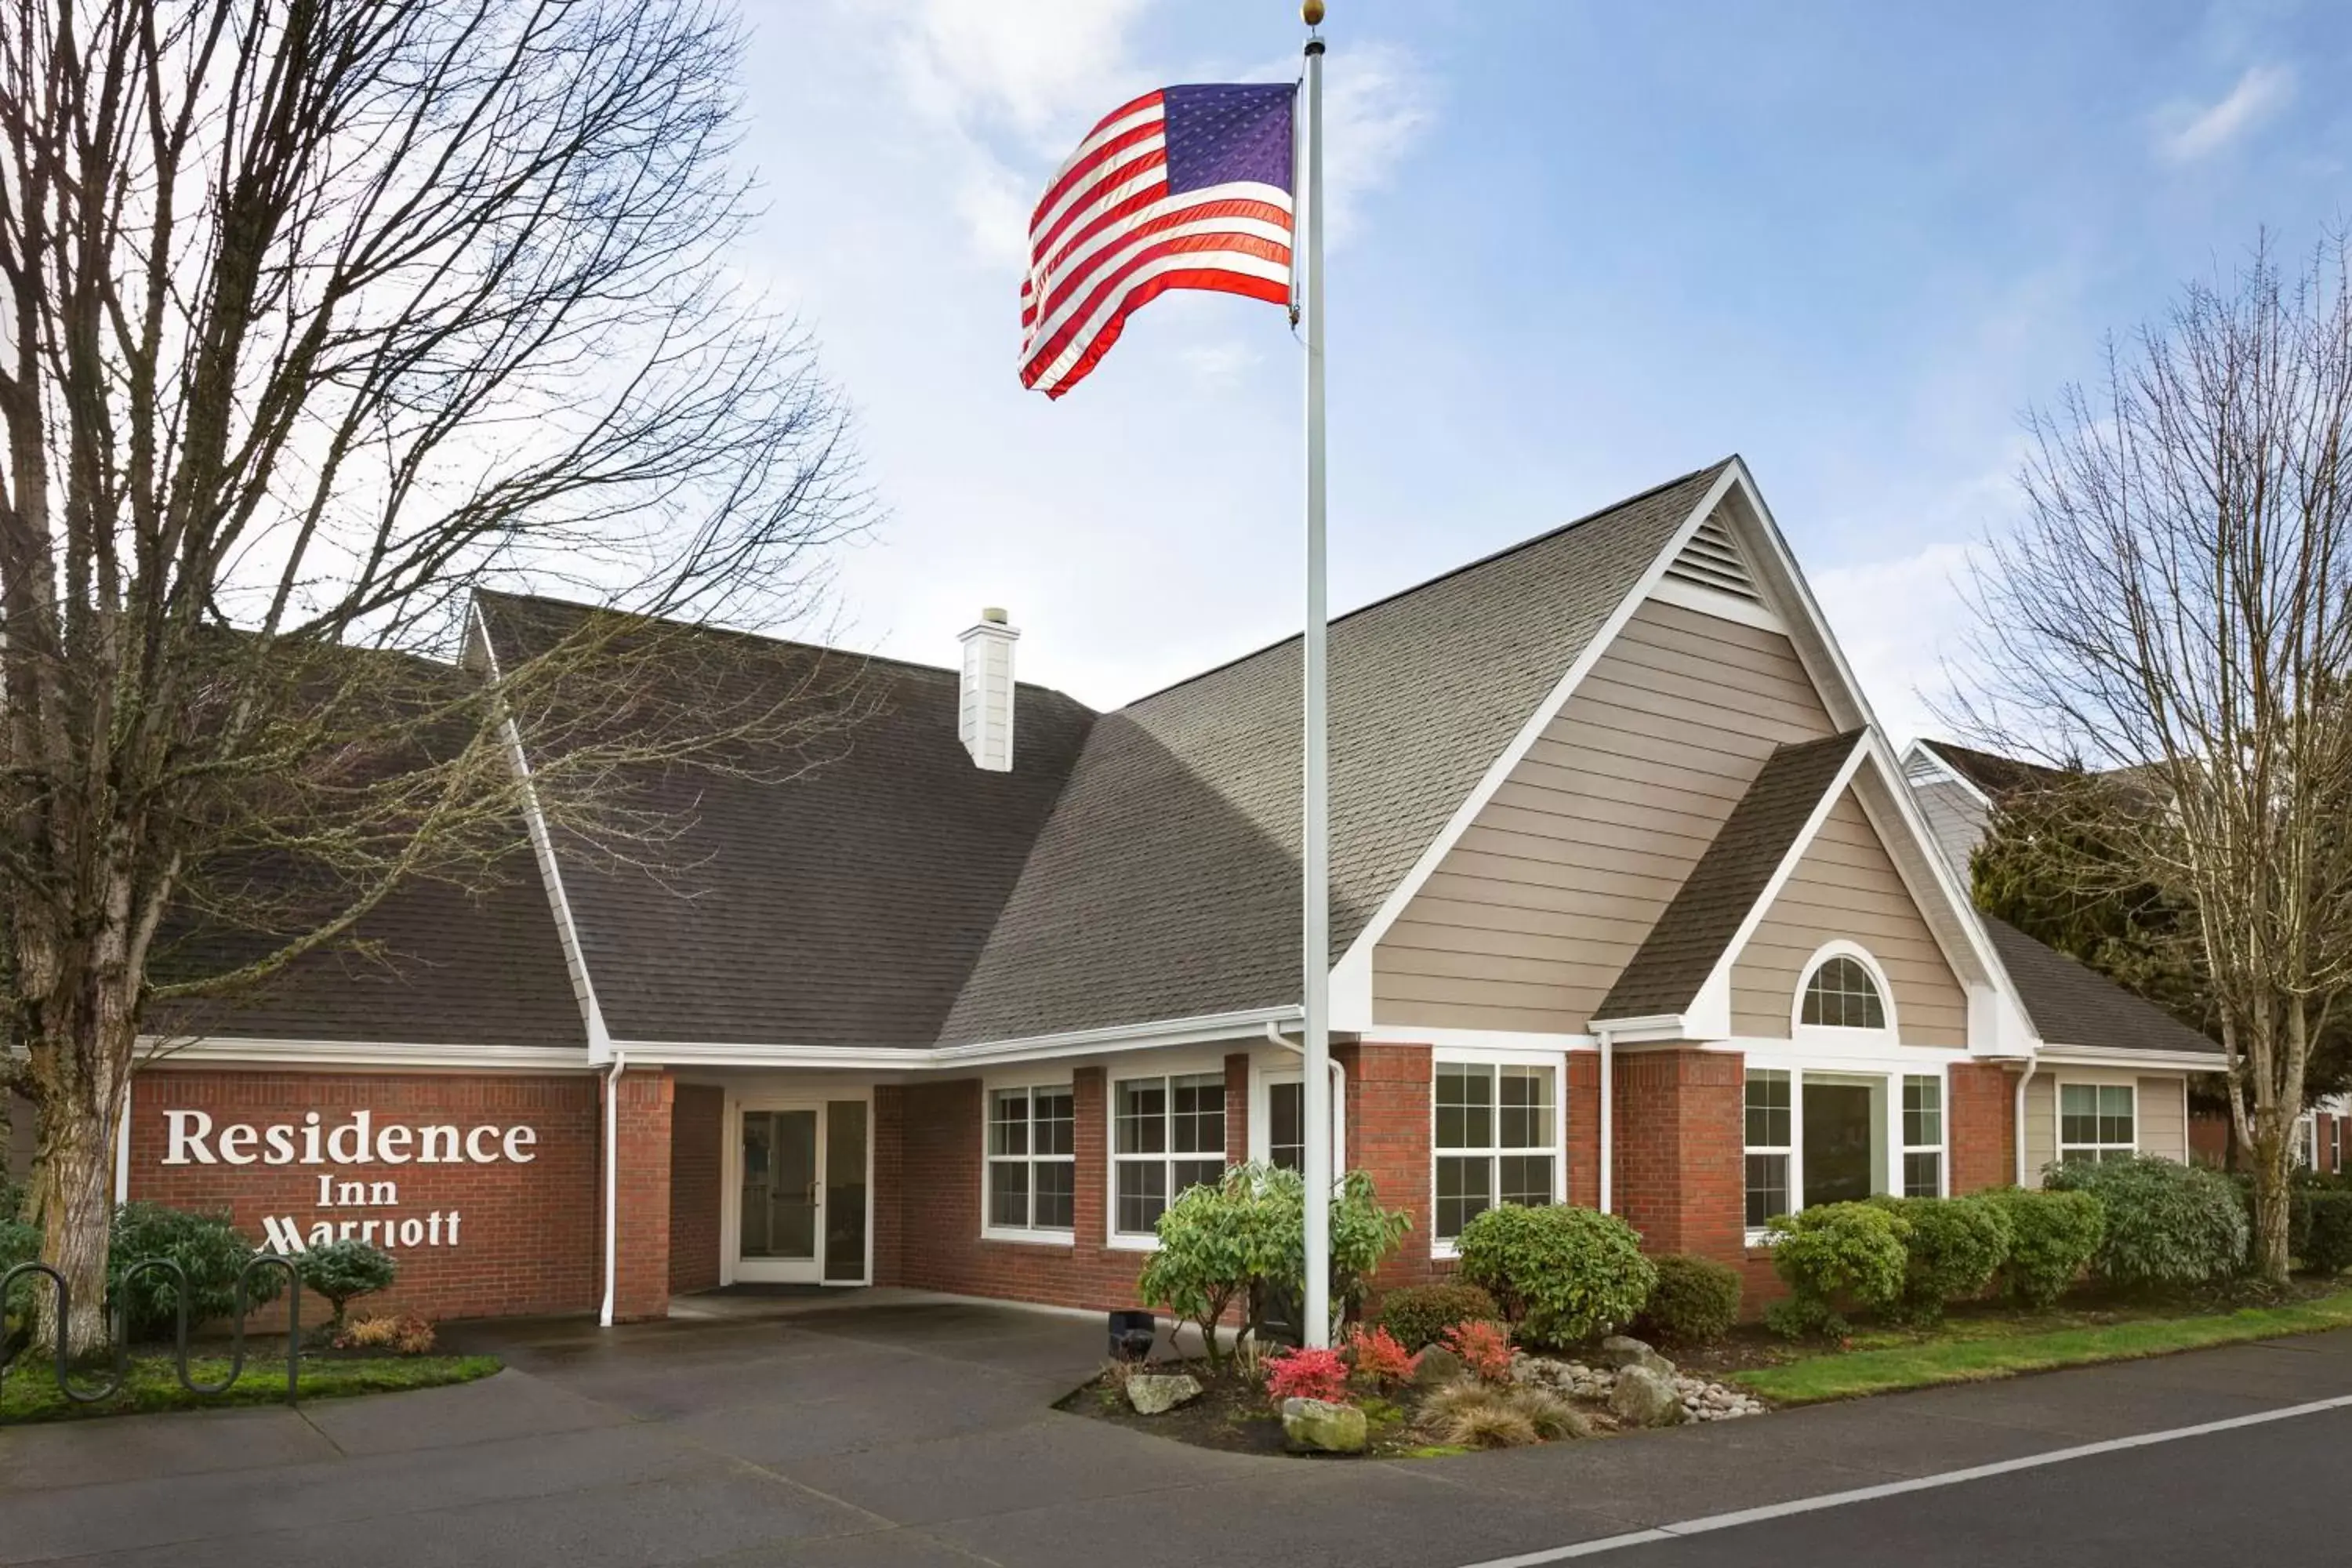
(63, 1368)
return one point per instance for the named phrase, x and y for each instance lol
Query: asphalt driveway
(920, 1432)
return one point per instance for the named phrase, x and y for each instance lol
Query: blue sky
(1579, 249)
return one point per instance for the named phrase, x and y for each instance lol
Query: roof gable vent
(1712, 559)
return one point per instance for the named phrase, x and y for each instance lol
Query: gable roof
(2073, 1005)
(1166, 883)
(842, 905)
(1707, 911)
(1989, 773)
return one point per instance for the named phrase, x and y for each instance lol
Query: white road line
(1896, 1489)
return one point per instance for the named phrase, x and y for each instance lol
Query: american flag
(1187, 187)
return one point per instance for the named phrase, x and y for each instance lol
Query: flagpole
(1315, 848)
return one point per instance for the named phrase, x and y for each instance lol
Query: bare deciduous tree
(318, 316)
(2176, 603)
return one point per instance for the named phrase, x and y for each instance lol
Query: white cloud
(1378, 100)
(2191, 131)
(1900, 622)
(1025, 62)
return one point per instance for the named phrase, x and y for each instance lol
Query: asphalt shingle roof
(2073, 1004)
(834, 898)
(1995, 775)
(1166, 883)
(1706, 912)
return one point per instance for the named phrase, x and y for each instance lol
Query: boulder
(1157, 1393)
(1645, 1398)
(1318, 1426)
(1620, 1351)
(1436, 1367)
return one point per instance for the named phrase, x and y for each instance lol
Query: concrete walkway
(904, 1431)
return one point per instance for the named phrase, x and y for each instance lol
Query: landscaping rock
(1619, 1351)
(1318, 1426)
(1156, 1394)
(1435, 1367)
(1645, 1398)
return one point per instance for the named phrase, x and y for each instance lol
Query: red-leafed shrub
(1484, 1348)
(1307, 1375)
(1377, 1355)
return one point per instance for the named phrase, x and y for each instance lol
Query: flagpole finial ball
(1312, 11)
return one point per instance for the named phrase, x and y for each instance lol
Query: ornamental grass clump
(2053, 1236)
(1834, 1257)
(1472, 1414)
(1563, 1275)
(2166, 1223)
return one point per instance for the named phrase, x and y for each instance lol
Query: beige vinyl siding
(1846, 885)
(1955, 819)
(2159, 1123)
(1528, 921)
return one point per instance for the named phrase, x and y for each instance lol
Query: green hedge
(1836, 1257)
(1694, 1302)
(1955, 1248)
(1418, 1315)
(2052, 1237)
(2166, 1223)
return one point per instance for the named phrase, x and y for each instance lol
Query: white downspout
(1607, 1136)
(2031, 1068)
(612, 1185)
(1338, 1097)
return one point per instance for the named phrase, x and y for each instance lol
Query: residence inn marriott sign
(967, 1006)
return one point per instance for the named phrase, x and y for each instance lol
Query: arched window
(1842, 995)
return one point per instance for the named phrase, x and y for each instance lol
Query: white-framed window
(1497, 1136)
(1831, 1131)
(2097, 1121)
(1842, 994)
(1923, 1135)
(1771, 1144)
(1285, 1122)
(1168, 1133)
(1032, 1160)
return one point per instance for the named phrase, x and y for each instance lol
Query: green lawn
(30, 1392)
(1981, 1350)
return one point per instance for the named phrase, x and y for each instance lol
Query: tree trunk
(76, 1212)
(2273, 1160)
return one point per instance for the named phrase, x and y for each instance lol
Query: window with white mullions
(1842, 995)
(1167, 1134)
(2096, 1122)
(1769, 1139)
(1031, 1163)
(1496, 1140)
(1923, 1136)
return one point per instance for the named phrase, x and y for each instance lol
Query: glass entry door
(801, 1214)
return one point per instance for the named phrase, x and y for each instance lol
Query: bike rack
(179, 1276)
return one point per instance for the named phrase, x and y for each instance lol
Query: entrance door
(801, 1213)
(782, 1212)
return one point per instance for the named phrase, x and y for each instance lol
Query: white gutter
(612, 1186)
(1338, 1097)
(1607, 1074)
(2031, 1068)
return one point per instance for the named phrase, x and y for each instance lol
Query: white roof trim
(2106, 1055)
(369, 1056)
(542, 848)
(1201, 1030)
(1351, 987)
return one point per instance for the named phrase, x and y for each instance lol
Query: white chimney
(985, 719)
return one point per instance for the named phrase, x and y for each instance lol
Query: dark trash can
(1132, 1334)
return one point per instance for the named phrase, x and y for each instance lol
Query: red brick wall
(1981, 1132)
(1388, 1139)
(527, 1237)
(1584, 1128)
(931, 1138)
(1237, 1109)
(695, 1132)
(1680, 1178)
(641, 1282)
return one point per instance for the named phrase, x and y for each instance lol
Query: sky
(1577, 249)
